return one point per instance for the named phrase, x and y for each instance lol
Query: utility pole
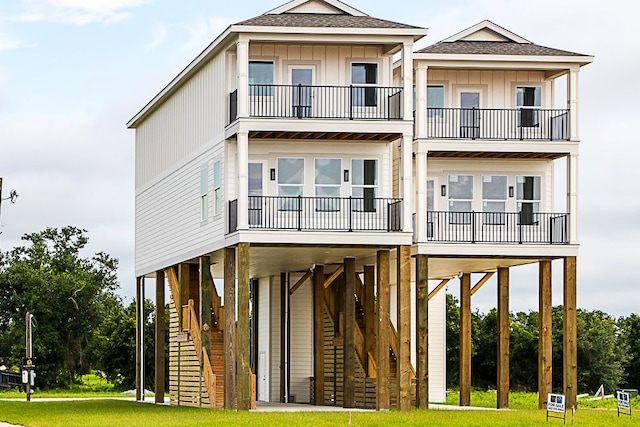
(29, 353)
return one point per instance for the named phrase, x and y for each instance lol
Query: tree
(69, 296)
(630, 341)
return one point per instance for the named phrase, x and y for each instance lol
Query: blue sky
(72, 72)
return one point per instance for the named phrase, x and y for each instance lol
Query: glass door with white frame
(255, 194)
(470, 115)
(302, 91)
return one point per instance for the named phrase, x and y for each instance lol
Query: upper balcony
(300, 101)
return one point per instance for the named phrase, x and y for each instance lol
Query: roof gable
(486, 31)
(335, 7)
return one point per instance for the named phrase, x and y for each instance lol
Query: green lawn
(130, 414)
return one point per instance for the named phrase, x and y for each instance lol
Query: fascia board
(471, 61)
(416, 33)
(335, 3)
(490, 25)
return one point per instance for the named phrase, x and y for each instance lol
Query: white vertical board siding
(274, 352)
(168, 225)
(264, 328)
(192, 117)
(437, 345)
(301, 358)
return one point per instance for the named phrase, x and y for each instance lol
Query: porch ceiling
(496, 155)
(330, 136)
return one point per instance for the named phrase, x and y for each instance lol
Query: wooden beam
(160, 338)
(403, 361)
(438, 288)
(545, 346)
(382, 350)
(349, 348)
(333, 276)
(230, 385)
(204, 307)
(481, 282)
(300, 282)
(465, 339)
(422, 331)
(243, 355)
(504, 331)
(369, 315)
(570, 349)
(183, 288)
(318, 334)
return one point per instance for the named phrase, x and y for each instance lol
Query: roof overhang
(443, 60)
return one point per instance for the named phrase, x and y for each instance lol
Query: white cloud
(159, 36)
(203, 31)
(78, 12)
(9, 42)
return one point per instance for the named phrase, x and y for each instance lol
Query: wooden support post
(404, 328)
(504, 331)
(369, 315)
(422, 331)
(465, 339)
(206, 321)
(349, 349)
(318, 334)
(570, 349)
(230, 385)
(243, 355)
(382, 351)
(139, 340)
(160, 339)
(545, 326)
(183, 279)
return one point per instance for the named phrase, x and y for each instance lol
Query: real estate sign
(623, 400)
(555, 403)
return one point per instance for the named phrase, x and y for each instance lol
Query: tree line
(608, 349)
(83, 325)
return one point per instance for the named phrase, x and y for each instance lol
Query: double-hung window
(528, 199)
(364, 184)
(290, 183)
(435, 101)
(528, 102)
(261, 78)
(460, 199)
(328, 181)
(204, 199)
(217, 188)
(364, 77)
(494, 199)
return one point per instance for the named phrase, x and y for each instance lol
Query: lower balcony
(498, 227)
(349, 214)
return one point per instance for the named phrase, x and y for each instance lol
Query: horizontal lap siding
(301, 340)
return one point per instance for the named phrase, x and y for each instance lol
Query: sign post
(28, 364)
(556, 404)
(624, 403)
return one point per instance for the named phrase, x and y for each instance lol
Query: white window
(460, 199)
(364, 184)
(217, 188)
(204, 201)
(365, 76)
(261, 78)
(435, 101)
(290, 182)
(328, 182)
(528, 198)
(494, 199)
(528, 102)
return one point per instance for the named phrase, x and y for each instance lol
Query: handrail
(172, 278)
(393, 343)
(210, 379)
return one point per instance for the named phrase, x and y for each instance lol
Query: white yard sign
(623, 400)
(556, 403)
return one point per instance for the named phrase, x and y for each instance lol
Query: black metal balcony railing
(320, 213)
(498, 124)
(498, 227)
(321, 102)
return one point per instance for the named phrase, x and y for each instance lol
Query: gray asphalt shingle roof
(494, 48)
(322, 20)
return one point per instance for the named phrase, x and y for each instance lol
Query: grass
(114, 413)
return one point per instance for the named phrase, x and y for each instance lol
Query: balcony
(498, 124)
(321, 102)
(299, 213)
(498, 227)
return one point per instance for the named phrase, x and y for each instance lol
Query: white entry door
(263, 383)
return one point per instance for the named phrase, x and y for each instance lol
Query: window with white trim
(528, 102)
(261, 78)
(460, 198)
(494, 199)
(217, 188)
(528, 192)
(364, 184)
(290, 182)
(435, 101)
(328, 181)
(365, 76)
(204, 200)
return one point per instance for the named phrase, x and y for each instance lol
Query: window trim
(460, 217)
(217, 188)
(204, 190)
(369, 88)
(269, 91)
(530, 112)
(494, 218)
(371, 206)
(285, 204)
(326, 205)
(436, 114)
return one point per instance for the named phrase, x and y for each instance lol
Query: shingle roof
(494, 48)
(321, 20)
